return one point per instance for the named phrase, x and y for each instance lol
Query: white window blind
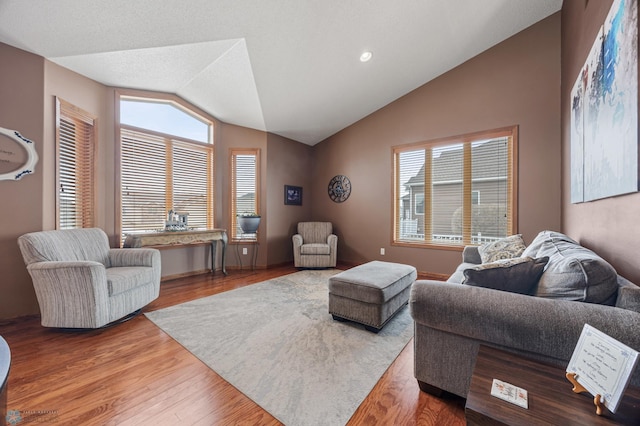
(193, 183)
(456, 191)
(143, 177)
(244, 186)
(75, 143)
(159, 174)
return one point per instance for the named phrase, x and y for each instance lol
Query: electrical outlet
(244, 250)
(382, 251)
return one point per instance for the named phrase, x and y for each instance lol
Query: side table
(550, 396)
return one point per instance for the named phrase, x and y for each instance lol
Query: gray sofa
(573, 287)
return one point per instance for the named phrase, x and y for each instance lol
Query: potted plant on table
(249, 222)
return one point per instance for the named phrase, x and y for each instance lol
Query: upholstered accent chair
(80, 282)
(315, 245)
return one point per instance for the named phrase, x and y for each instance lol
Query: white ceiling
(289, 67)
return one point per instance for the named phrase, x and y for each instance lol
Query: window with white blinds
(245, 187)
(75, 165)
(161, 172)
(456, 191)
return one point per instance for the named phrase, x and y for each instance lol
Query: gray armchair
(81, 282)
(315, 245)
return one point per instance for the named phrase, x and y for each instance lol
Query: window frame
(86, 152)
(467, 140)
(233, 214)
(171, 141)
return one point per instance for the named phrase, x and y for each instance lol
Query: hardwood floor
(135, 374)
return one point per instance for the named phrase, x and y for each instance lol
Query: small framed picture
(293, 195)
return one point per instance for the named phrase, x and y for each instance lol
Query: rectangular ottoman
(370, 294)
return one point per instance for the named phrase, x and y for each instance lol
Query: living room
(525, 80)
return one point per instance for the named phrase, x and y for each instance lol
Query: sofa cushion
(315, 248)
(517, 275)
(504, 248)
(125, 278)
(574, 272)
(458, 276)
(628, 295)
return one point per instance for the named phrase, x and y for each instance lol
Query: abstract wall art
(604, 111)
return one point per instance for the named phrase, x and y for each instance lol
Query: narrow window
(75, 144)
(245, 187)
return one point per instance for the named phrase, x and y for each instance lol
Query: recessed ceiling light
(366, 56)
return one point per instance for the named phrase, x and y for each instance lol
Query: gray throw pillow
(517, 275)
(504, 248)
(574, 272)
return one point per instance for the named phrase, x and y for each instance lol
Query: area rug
(276, 342)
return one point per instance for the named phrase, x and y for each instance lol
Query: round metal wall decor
(339, 188)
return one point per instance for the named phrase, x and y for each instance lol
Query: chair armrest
(297, 240)
(471, 254)
(527, 323)
(70, 280)
(332, 240)
(134, 257)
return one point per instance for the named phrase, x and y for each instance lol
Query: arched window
(166, 163)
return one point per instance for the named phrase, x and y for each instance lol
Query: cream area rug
(276, 342)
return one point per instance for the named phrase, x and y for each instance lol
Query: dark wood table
(550, 395)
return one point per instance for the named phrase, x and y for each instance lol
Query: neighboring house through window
(166, 163)
(438, 185)
(75, 165)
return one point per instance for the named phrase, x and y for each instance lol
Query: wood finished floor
(135, 374)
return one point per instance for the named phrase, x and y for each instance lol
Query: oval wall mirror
(18, 155)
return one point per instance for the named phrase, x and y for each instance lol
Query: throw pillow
(504, 248)
(517, 275)
(574, 272)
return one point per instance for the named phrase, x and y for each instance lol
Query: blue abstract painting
(604, 111)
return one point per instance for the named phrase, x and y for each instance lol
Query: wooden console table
(168, 238)
(550, 395)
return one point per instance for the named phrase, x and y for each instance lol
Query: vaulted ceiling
(289, 67)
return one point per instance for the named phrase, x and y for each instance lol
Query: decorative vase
(249, 225)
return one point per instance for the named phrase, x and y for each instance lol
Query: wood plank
(135, 374)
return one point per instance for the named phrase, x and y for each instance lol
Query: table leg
(214, 249)
(224, 252)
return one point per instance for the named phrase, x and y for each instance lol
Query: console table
(550, 395)
(168, 238)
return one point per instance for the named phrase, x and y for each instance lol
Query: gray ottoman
(370, 294)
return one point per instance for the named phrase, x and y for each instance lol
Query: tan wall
(515, 83)
(230, 136)
(21, 109)
(289, 163)
(608, 226)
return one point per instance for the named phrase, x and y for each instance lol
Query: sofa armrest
(297, 240)
(471, 254)
(526, 323)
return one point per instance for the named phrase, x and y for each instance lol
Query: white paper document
(602, 365)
